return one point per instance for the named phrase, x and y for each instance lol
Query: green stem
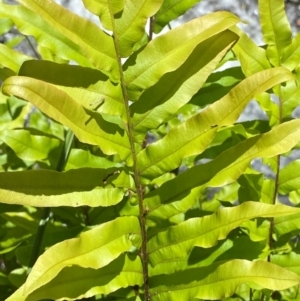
(37, 246)
(272, 225)
(136, 175)
(32, 47)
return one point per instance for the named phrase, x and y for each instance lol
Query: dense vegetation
(124, 162)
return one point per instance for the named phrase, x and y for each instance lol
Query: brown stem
(151, 23)
(136, 175)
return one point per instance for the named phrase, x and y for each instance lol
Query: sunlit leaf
(291, 54)
(166, 53)
(289, 177)
(87, 251)
(45, 188)
(275, 27)
(179, 194)
(79, 158)
(178, 241)
(252, 57)
(221, 281)
(30, 23)
(96, 45)
(5, 25)
(158, 103)
(127, 19)
(88, 126)
(12, 59)
(217, 85)
(87, 86)
(186, 139)
(289, 261)
(236, 247)
(31, 147)
(169, 11)
(76, 282)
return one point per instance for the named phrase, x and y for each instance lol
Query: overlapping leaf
(275, 27)
(127, 19)
(289, 177)
(87, 251)
(79, 158)
(30, 23)
(290, 94)
(5, 25)
(158, 103)
(252, 57)
(291, 54)
(287, 224)
(31, 147)
(234, 247)
(88, 126)
(166, 53)
(171, 10)
(217, 85)
(186, 139)
(88, 87)
(12, 59)
(46, 188)
(179, 194)
(289, 261)
(220, 281)
(76, 282)
(178, 241)
(96, 45)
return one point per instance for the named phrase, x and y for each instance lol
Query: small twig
(151, 23)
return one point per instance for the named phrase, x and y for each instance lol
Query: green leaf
(178, 241)
(217, 85)
(89, 87)
(289, 261)
(12, 59)
(179, 194)
(75, 282)
(46, 188)
(250, 189)
(234, 247)
(193, 136)
(105, 10)
(287, 224)
(127, 20)
(291, 54)
(96, 45)
(88, 126)
(290, 94)
(171, 10)
(220, 281)
(30, 23)
(158, 103)
(275, 27)
(87, 251)
(166, 53)
(31, 147)
(22, 220)
(79, 158)
(289, 178)
(5, 25)
(251, 57)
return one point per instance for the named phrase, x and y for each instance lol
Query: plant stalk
(136, 175)
(272, 225)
